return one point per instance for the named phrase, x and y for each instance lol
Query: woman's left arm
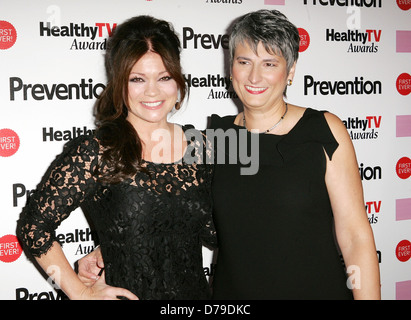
(354, 234)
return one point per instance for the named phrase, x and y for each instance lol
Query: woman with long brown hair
(142, 180)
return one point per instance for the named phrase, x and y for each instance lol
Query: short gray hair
(270, 27)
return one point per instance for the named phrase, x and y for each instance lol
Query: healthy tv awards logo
(8, 35)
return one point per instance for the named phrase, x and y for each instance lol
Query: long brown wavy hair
(122, 153)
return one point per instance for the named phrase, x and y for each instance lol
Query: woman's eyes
(139, 79)
(243, 62)
(136, 79)
(266, 64)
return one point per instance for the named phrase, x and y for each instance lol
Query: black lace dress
(151, 228)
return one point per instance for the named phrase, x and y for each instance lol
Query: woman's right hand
(91, 274)
(101, 291)
(59, 269)
(90, 266)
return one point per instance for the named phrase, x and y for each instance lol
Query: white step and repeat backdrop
(355, 61)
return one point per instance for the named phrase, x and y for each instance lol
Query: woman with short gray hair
(272, 28)
(275, 227)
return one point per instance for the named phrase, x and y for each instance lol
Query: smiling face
(152, 92)
(259, 79)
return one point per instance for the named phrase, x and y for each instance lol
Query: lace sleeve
(64, 186)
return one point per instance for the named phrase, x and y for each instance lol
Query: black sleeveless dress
(275, 227)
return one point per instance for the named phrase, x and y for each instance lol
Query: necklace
(281, 119)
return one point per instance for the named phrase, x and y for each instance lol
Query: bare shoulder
(337, 126)
(345, 151)
(297, 111)
(333, 120)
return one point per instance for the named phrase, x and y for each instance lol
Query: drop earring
(177, 104)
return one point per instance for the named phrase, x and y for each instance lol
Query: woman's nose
(254, 76)
(151, 89)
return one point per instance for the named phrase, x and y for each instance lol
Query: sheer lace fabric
(151, 227)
